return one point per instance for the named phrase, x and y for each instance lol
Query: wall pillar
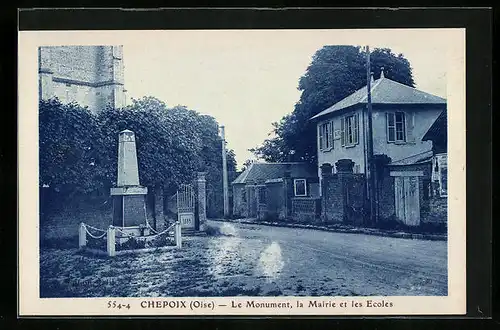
(326, 175)
(201, 201)
(344, 171)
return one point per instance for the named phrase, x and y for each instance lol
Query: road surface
(312, 262)
(255, 260)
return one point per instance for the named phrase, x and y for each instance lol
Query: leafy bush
(98, 244)
(131, 244)
(160, 241)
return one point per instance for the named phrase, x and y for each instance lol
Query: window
(326, 136)
(300, 187)
(244, 195)
(396, 126)
(350, 130)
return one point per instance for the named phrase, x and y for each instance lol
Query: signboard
(186, 220)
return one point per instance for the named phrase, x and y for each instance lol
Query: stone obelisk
(128, 195)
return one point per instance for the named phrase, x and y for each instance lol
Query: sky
(248, 79)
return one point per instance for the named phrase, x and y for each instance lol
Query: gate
(407, 196)
(186, 206)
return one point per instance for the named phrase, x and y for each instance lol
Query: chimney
(382, 73)
(371, 79)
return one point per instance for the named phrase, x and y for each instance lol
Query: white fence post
(82, 236)
(111, 241)
(178, 235)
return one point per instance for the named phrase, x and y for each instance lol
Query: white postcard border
(30, 304)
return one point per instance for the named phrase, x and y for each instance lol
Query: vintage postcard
(242, 172)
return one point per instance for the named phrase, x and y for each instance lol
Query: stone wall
(332, 202)
(386, 197)
(343, 194)
(437, 212)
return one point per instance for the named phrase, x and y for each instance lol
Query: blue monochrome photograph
(226, 167)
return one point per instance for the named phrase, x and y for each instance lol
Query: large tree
(334, 73)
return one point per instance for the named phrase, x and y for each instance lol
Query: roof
(438, 129)
(261, 172)
(414, 159)
(385, 91)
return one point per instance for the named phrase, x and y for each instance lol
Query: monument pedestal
(129, 207)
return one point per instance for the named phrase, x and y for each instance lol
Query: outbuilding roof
(414, 159)
(438, 128)
(384, 91)
(259, 173)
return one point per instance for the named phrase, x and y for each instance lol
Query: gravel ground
(252, 260)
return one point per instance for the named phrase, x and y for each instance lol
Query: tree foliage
(79, 151)
(69, 145)
(334, 73)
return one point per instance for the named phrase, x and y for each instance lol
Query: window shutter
(387, 125)
(410, 124)
(333, 135)
(391, 129)
(330, 134)
(320, 135)
(356, 130)
(342, 131)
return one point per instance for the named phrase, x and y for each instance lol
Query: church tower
(92, 76)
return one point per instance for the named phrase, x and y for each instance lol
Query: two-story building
(401, 115)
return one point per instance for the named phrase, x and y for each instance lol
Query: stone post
(82, 236)
(178, 235)
(201, 201)
(326, 174)
(111, 241)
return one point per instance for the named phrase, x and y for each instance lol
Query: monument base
(129, 210)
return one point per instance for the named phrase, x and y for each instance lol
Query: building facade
(405, 154)
(92, 76)
(401, 115)
(268, 190)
